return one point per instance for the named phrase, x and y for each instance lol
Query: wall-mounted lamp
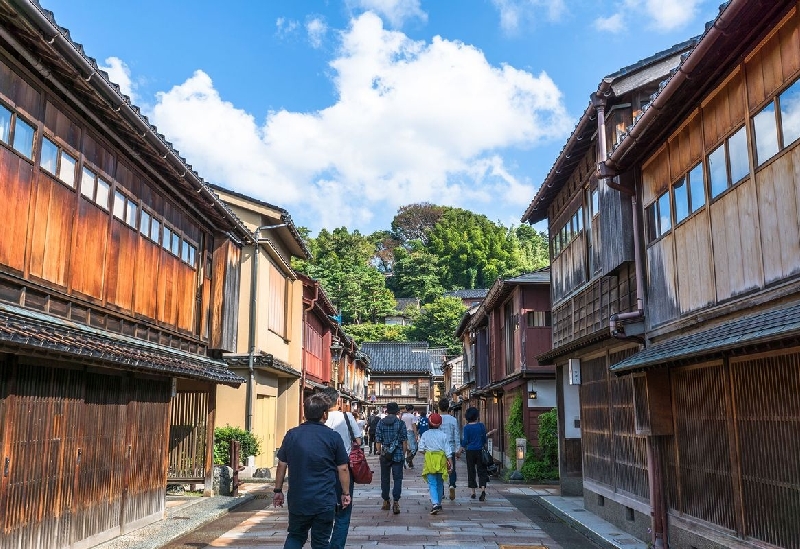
(532, 395)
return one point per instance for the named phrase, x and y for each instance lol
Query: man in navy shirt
(317, 458)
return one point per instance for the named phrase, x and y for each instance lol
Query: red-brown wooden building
(118, 288)
(505, 334)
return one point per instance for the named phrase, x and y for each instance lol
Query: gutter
(130, 112)
(613, 164)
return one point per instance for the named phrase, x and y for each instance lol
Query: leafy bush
(544, 466)
(250, 445)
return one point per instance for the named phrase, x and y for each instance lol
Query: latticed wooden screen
(766, 394)
(702, 460)
(596, 422)
(187, 436)
(630, 451)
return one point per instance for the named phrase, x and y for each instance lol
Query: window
(657, 217)
(188, 253)
(66, 169)
(697, 189)
(94, 188)
(155, 229)
(681, 198)
(23, 138)
(125, 209)
(175, 246)
(765, 134)
(144, 224)
(166, 238)
(728, 164)
(49, 156)
(539, 319)
(790, 114)
(16, 132)
(595, 202)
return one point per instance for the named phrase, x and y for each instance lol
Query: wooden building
(710, 392)
(118, 293)
(269, 354)
(510, 328)
(399, 372)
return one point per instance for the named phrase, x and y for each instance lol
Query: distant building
(399, 317)
(469, 298)
(401, 372)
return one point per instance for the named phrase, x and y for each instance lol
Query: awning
(29, 332)
(746, 333)
(262, 361)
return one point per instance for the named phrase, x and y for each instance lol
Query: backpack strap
(349, 428)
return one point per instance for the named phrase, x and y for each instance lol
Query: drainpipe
(303, 373)
(614, 324)
(251, 336)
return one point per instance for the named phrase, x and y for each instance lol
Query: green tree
(473, 252)
(416, 274)
(437, 323)
(377, 332)
(534, 247)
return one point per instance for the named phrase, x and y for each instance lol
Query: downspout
(614, 323)
(251, 335)
(303, 373)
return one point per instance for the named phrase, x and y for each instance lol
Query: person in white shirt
(411, 428)
(338, 421)
(450, 426)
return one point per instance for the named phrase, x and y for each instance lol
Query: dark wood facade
(118, 284)
(595, 279)
(690, 430)
(717, 183)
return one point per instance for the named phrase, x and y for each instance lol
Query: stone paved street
(464, 523)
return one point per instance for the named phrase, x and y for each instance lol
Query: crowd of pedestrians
(316, 455)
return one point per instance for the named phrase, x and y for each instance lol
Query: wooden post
(208, 489)
(235, 466)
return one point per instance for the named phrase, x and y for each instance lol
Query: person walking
(338, 421)
(473, 440)
(372, 423)
(318, 463)
(362, 426)
(410, 419)
(434, 444)
(391, 443)
(450, 426)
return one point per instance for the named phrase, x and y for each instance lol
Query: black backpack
(389, 448)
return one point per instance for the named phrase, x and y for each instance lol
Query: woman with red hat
(435, 443)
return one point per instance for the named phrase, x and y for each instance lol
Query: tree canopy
(429, 251)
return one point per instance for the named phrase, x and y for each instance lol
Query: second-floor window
(729, 163)
(95, 188)
(777, 125)
(16, 132)
(539, 319)
(658, 217)
(58, 162)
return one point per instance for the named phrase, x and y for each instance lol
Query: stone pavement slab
(573, 511)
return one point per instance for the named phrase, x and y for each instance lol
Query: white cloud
(316, 29)
(285, 27)
(120, 74)
(660, 15)
(395, 12)
(413, 122)
(515, 13)
(613, 24)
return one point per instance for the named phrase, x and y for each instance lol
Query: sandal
(483, 496)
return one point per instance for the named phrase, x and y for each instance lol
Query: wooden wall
(85, 453)
(73, 246)
(748, 237)
(733, 461)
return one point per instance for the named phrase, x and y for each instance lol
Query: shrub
(250, 445)
(544, 466)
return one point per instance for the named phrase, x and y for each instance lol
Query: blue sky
(341, 111)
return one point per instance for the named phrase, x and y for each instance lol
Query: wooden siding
(187, 436)
(696, 288)
(58, 240)
(85, 452)
(662, 296)
(596, 422)
(224, 294)
(588, 312)
(615, 228)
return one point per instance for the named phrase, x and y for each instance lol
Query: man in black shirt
(318, 460)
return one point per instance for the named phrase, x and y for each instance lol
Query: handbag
(486, 457)
(359, 467)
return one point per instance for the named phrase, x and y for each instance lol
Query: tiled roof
(405, 302)
(477, 293)
(260, 360)
(398, 357)
(25, 330)
(751, 330)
